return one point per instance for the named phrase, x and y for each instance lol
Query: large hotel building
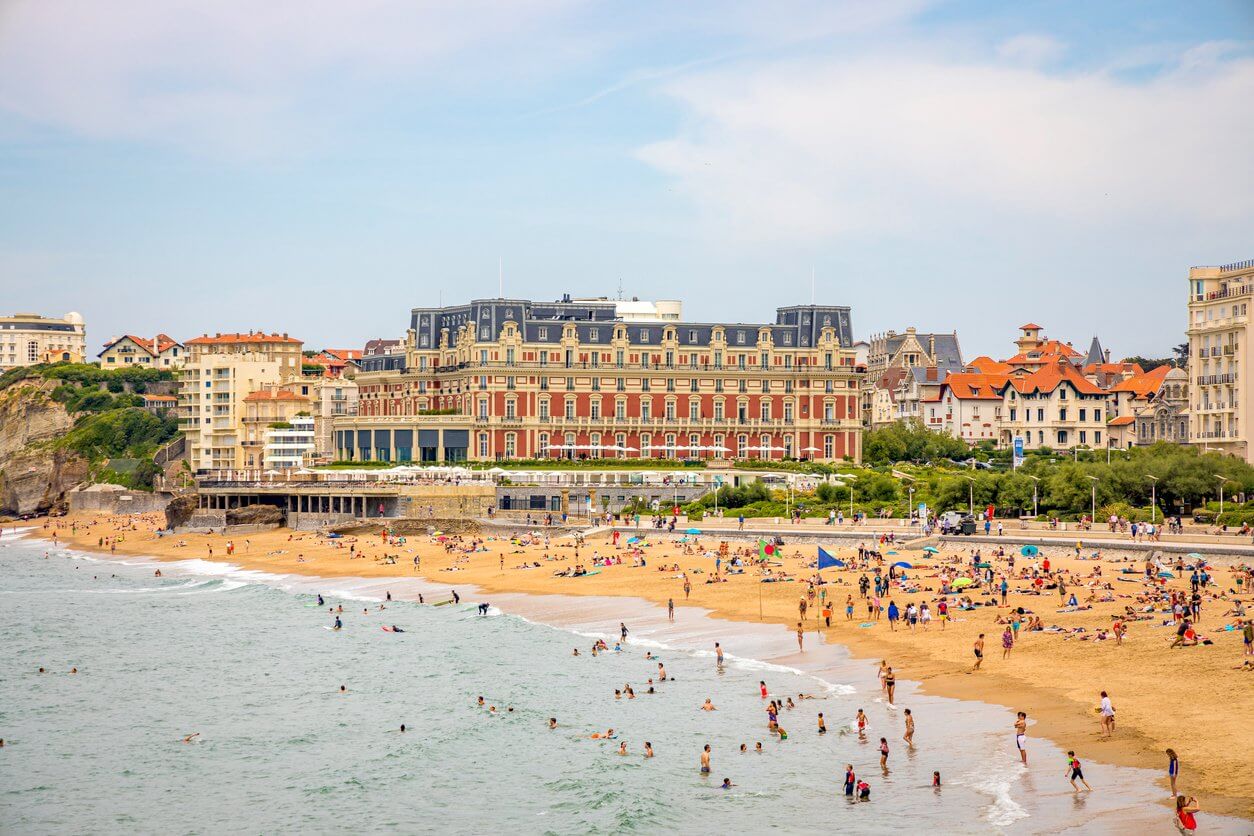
(1220, 385)
(512, 378)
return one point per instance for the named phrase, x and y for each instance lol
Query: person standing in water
(801, 635)
(1173, 769)
(718, 654)
(670, 609)
(705, 760)
(338, 624)
(909, 735)
(1021, 736)
(851, 780)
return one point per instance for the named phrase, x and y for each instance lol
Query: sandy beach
(1189, 699)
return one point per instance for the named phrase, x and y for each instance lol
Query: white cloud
(1032, 50)
(895, 145)
(230, 73)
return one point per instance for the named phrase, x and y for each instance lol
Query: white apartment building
(27, 339)
(220, 372)
(1218, 332)
(290, 447)
(970, 406)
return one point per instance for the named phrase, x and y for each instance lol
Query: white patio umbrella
(718, 448)
(810, 450)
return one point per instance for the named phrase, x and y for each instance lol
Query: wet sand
(1189, 699)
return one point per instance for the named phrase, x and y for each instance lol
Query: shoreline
(1057, 714)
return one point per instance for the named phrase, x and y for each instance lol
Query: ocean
(245, 660)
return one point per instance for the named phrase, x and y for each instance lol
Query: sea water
(246, 660)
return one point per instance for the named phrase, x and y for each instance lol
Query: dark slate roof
(797, 326)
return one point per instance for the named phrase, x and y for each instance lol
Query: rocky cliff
(34, 475)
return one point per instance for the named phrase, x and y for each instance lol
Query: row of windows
(670, 446)
(1084, 415)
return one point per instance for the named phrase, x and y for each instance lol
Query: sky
(319, 167)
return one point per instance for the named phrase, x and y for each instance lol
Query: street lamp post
(970, 494)
(1093, 512)
(1153, 496)
(1221, 479)
(1035, 480)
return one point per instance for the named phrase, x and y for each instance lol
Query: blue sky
(320, 167)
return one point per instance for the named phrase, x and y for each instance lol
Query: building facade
(160, 352)
(220, 373)
(28, 339)
(513, 378)
(969, 406)
(1055, 406)
(1218, 331)
(925, 360)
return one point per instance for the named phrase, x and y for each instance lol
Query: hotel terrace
(513, 378)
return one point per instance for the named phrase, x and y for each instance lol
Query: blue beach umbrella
(901, 564)
(693, 531)
(1029, 551)
(890, 551)
(931, 550)
(1165, 575)
(634, 539)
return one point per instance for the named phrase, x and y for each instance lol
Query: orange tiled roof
(155, 346)
(1121, 421)
(987, 365)
(161, 398)
(976, 386)
(257, 337)
(1113, 368)
(274, 395)
(343, 353)
(1143, 384)
(1031, 326)
(1048, 378)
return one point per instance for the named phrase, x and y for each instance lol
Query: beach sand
(1188, 699)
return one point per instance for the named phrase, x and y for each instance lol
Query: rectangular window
(542, 334)
(1082, 415)
(694, 409)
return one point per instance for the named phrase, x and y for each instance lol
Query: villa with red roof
(159, 352)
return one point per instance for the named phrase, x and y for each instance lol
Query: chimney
(1106, 354)
(931, 345)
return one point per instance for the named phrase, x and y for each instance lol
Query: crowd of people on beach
(937, 590)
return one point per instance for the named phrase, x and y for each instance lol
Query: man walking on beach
(978, 650)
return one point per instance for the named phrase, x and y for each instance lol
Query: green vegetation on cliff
(110, 425)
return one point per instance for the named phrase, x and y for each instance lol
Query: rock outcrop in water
(34, 475)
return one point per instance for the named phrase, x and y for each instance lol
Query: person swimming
(727, 784)
(320, 601)
(396, 629)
